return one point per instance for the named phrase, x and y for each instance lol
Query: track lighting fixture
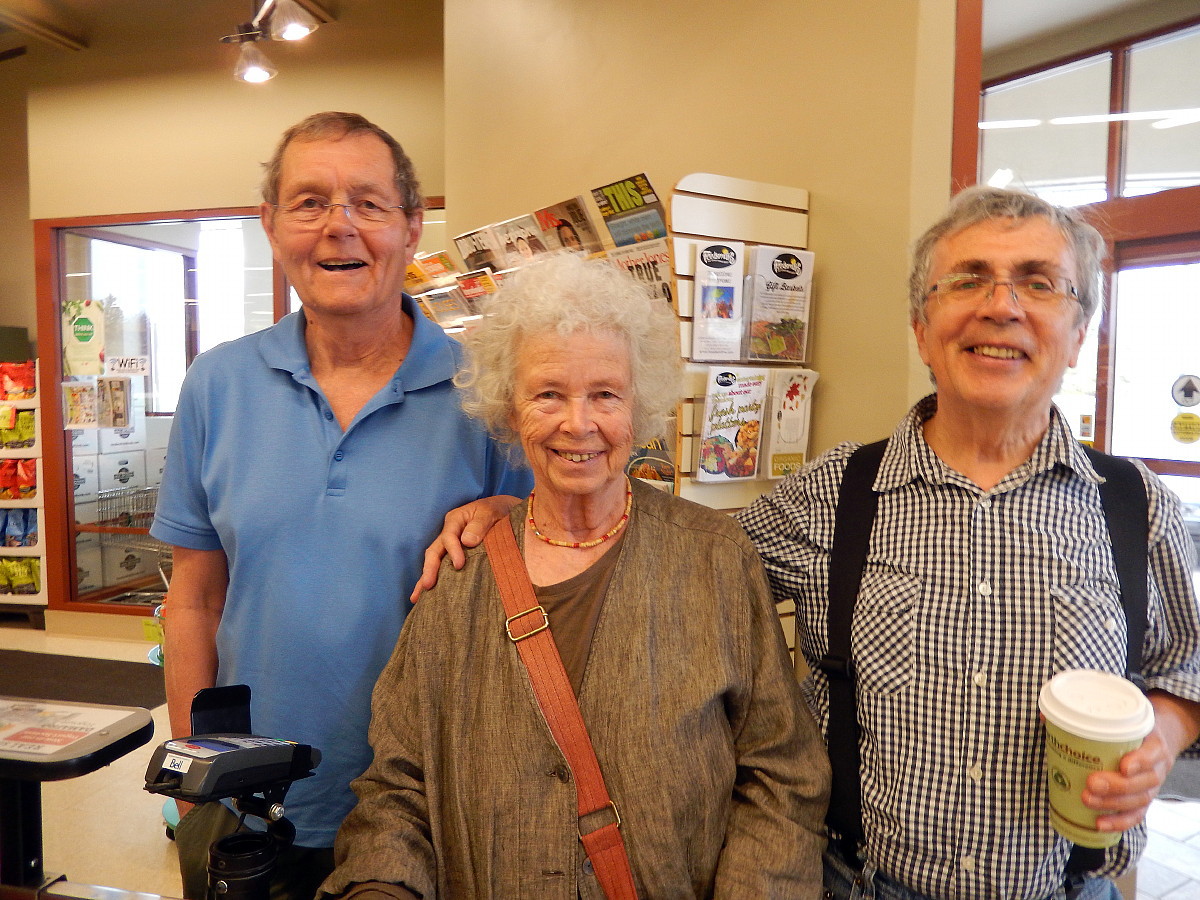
(280, 20)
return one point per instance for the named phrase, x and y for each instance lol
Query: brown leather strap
(528, 628)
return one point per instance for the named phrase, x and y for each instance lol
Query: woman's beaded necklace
(584, 545)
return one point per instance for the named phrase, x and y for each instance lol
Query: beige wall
(547, 99)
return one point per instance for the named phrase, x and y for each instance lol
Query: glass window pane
(164, 292)
(1163, 152)
(1021, 148)
(1158, 318)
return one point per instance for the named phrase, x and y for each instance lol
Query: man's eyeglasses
(363, 213)
(1028, 291)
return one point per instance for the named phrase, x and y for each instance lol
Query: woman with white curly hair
(669, 643)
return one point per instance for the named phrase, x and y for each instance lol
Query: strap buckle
(837, 666)
(616, 815)
(520, 637)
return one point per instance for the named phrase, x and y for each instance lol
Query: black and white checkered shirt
(970, 600)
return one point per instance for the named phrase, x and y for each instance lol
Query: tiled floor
(104, 829)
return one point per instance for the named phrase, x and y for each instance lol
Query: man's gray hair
(564, 294)
(333, 126)
(982, 204)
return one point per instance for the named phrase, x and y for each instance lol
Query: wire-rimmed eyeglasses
(364, 213)
(1027, 291)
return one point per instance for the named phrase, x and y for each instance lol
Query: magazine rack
(704, 208)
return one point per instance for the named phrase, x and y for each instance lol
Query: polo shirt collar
(909, 457)
(431, 359)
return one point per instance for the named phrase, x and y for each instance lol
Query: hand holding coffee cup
(1092, 720)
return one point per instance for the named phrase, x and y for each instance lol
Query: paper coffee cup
(1092, 720)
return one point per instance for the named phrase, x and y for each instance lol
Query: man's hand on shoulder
(463, 527)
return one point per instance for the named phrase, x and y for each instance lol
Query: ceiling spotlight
(289, 20)
(253, 67)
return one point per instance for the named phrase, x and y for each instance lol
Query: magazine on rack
(734, 405)
(779, 299)
(631, 210)
(569, 225)
(791, 409)
(650, 263)
(519, 239)
(717, 305)
(479, 249)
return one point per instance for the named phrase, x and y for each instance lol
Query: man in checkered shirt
(989, 570)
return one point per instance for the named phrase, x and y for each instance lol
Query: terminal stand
(44, 740)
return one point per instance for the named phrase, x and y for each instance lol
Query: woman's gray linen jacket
(707, 748)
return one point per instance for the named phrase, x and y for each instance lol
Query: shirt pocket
(884, 635)
(1089, 627)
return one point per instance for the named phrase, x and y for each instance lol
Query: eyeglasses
(1028, 291)
(365, 214)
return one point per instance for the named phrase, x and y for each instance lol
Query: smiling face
(573, 409)
(337, 267)
(998, 357)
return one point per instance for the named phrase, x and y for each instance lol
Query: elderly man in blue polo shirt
(309, 465)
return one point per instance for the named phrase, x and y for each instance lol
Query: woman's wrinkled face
(573, 410)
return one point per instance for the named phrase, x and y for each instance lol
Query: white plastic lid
(1097, 706)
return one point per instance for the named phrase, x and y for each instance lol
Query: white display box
(84, 441)
(89, 568)
(122, 470)
(85, 514)
(158, 431)
(156, 461)
(86, 476)
(122, 564)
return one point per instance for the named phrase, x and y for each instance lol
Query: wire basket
(124, 516)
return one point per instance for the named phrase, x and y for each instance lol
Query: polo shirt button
(339, 456)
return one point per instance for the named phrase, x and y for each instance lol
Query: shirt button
(1110, 623)
(980, 679)
(976, 774)
(968, 863)
(329, 415)
(562, 773)
(985, 589)
(339, 456)
(587, 866)
(985, 503)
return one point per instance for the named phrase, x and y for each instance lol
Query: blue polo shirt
(324, 530)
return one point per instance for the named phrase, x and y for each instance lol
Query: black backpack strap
(851, 535)
(1127, 515)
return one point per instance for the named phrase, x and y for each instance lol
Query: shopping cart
(123, 519)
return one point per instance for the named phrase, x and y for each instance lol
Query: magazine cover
(447, 306)
(791, 409)
(631, 210)
(568, 225)
(650, 263)
(717, 304)
(519, 240)
(476, 285)
(479, 249)
(734, 403)
(779, 303)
